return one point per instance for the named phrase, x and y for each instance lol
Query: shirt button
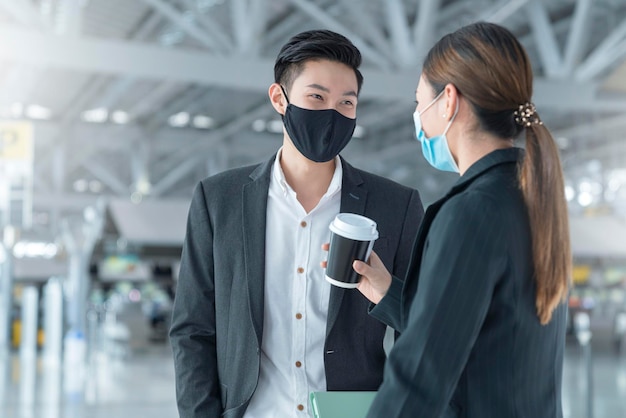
(300, 407)
(303, 224)
(300, 270)
(298, 315)
(298, 364)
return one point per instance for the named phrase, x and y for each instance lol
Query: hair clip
(526, 115)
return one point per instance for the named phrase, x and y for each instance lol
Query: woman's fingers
(375, 279)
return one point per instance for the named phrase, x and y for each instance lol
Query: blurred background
(112, 110)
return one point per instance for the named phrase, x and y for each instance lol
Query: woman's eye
(317, 96)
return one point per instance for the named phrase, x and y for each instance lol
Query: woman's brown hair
(490, 68)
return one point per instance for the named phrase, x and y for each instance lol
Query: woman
(481, 311)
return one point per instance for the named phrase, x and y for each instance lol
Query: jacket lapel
(254, 223)
(411, 281)
(353, 198)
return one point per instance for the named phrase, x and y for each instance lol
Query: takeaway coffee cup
(351, 238)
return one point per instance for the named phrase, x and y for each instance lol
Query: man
(255, 327)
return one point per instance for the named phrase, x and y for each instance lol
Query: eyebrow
(320, 87)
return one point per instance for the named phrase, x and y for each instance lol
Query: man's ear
(277, 98)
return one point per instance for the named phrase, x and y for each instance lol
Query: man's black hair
(313, 45)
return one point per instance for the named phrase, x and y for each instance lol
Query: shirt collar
(279, 176)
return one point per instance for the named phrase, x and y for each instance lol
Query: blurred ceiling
(140, 99)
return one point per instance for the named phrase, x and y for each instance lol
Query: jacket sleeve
(412, 219)
(388, 310)
(464, 256)
(192, 333)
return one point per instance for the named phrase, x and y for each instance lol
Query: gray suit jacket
(217, 320)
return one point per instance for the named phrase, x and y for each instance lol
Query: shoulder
(220, 189)
(498, 179)
(230, 178)
(494, 198)
(498, 187)
(220, 193)
(375, 181)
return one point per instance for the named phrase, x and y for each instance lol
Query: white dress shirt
(296, 300)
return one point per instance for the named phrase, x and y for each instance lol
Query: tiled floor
(141, 384)
(608, 383)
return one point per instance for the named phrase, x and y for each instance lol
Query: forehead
(424, 90)
(330, 74)
(422, 87)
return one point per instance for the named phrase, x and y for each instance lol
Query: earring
(445, 116)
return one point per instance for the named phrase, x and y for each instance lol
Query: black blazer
(217, 320)
(471, 343)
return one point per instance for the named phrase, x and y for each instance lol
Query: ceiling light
(97, 115)
(136, 198)
(359, 132)
(179, 120)
(33, 249)
(258, 125)
(95, 186)
(38, 112)
(143, 186)
(203, 122)
(120, 117)
(275, 126)
(90, 214)
(81, 185)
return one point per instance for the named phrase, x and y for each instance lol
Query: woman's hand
(375, 279)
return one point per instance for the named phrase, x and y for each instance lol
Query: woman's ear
(450, 104)
(277, 98)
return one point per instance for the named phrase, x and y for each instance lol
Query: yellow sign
(16, 141)
(581, 273)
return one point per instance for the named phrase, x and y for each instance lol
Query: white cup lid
(353, 226)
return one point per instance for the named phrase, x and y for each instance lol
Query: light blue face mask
(435, 149)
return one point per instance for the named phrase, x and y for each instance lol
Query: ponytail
(541, 181)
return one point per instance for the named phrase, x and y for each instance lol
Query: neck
(310, 180)
(474, 147)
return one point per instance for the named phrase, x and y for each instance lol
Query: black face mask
(319, 135)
